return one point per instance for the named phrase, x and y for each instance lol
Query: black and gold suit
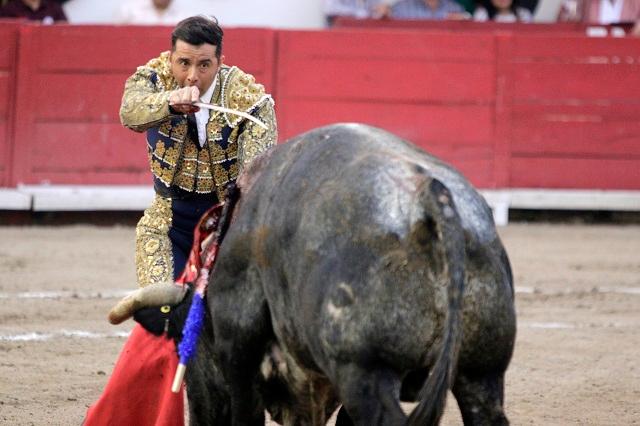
(189, 178)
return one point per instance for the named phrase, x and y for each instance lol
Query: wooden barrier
(434, 89)
(8, 64)
(575, 116)
(537, 109)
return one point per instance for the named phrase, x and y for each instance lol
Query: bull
(350, 249)
(367, 271)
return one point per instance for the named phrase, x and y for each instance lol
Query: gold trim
(154, 259)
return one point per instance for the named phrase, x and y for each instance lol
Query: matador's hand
(181, 100)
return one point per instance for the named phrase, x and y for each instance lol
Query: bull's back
(334, 216)
(346, 195)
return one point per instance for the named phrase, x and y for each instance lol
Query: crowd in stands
(149, 12)
(602, 12)
(46, 11)
(140, 12)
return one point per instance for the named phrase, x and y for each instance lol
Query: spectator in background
(529, 4)
(149, 12)
(46, 11)
(361, 9)
(469, 5)
(502, 11)
(427, 9)
(603, 12)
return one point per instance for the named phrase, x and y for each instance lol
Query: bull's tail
(432, 396)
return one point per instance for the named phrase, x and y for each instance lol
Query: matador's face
(194, 65)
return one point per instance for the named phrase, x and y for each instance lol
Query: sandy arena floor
(575, 362)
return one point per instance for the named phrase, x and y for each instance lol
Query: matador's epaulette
(241, 92)
(161, 67)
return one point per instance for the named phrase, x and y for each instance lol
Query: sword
(230, 111)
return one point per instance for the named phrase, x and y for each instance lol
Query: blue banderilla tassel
(190, 334)
(192, 329)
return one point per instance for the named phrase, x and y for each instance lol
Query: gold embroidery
(233, 136)
(159, 151)
(151, 246)
(154, 261)
(221, 176)
(204, 162)
(217, 153)
(233, 170)
(205, 185)
(185, 181)
(176, 160)
(187, 168)
(167, 175)
(165, 129)
(204, 182)
(171, 155)
(240, 92)
(255, 140)
(162, 67)
(157, 170)
(179, 131)
(145, 102)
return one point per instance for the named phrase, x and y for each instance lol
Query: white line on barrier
(567, 325)
(622, 290)
(570, 291)
(113, 294)
(81, 334)
(546, 325)
(77, 334)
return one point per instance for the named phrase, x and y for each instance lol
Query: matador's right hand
(181, 100)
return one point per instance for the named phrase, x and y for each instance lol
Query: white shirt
(143, 12)
(356, 8)
(202, 116)
(610, 11)
(522, 15)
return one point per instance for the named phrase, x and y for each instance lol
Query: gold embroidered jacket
(232, 141)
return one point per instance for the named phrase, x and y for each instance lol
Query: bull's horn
(158, 294)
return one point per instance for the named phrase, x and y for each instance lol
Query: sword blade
(231, 111)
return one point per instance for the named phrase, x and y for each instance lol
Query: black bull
(340, 281)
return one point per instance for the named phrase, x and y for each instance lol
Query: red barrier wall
(534, 110)
(435, 89)
(8, 62)
(67, 125)
(575, 112)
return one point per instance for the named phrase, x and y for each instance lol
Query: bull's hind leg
(481, 398)
(370, 397)
(238, 363)
(242, 329)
